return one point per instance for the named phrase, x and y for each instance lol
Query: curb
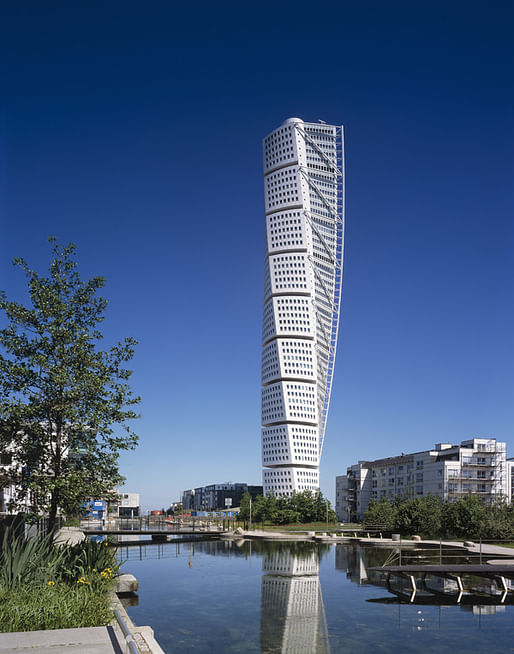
(143, 636)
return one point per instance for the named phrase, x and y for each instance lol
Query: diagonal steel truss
(336, 171)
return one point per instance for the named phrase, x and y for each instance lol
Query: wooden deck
(486, 569)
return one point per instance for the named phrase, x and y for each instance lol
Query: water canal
(304, 598)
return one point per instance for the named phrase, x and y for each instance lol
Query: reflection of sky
(481, 595)
(219, 598)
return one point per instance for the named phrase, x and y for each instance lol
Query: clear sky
(134, 130)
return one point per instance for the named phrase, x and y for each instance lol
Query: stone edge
(144, 636)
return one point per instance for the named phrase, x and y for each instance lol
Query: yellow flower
(51, 583)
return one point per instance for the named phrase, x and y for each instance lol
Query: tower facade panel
(303, 188)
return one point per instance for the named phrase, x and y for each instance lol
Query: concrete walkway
(89, 640)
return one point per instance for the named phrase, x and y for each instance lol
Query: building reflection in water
(482, 597)
(292, 612)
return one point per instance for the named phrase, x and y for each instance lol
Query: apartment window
(419, 476)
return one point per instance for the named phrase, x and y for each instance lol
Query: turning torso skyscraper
(304, 204)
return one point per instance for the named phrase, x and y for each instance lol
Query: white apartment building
(304, 207)
(449, 471)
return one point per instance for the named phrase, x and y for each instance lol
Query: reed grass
(47, 587)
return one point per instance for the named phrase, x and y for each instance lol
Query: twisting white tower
(304, 204)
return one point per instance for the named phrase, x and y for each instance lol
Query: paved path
(89, 640)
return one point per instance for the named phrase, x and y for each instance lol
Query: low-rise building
(449, 471)
(128, 506)
(217, 496)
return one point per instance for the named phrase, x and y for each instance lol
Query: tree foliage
(60, 395)
(244, 506)
(301, 507)
(381, 514)
(420, 515)
(429, 516)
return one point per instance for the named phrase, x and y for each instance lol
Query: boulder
(126, 583)
(69, 536)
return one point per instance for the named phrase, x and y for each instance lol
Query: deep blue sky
(134, 130)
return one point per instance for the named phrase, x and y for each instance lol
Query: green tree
(465, 517)
(421, 515)
(382, 514)
(271, 508)
(244, 506)
(259, 509)
(499, 520)
(60, 395)
(303, 503)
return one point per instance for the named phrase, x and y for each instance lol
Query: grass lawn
(311, 526)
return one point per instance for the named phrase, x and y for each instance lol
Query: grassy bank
(310, 526)
(59, 606)
(48, 587)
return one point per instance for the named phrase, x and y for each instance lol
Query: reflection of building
(292, 612)
(351, 560)
(303, 181)
(214, 497)
(449, 471)
(480, 594)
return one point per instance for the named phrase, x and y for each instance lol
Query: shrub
(85, 557)
(33, 560)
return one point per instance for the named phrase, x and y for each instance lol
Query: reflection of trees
(296, 549)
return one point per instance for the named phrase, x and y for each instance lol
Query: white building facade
(304, 207)
(448, 471)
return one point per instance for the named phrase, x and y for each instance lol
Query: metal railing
(130, 644)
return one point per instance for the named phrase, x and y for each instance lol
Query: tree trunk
(52, 516)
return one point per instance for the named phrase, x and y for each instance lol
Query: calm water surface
(301, 598)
